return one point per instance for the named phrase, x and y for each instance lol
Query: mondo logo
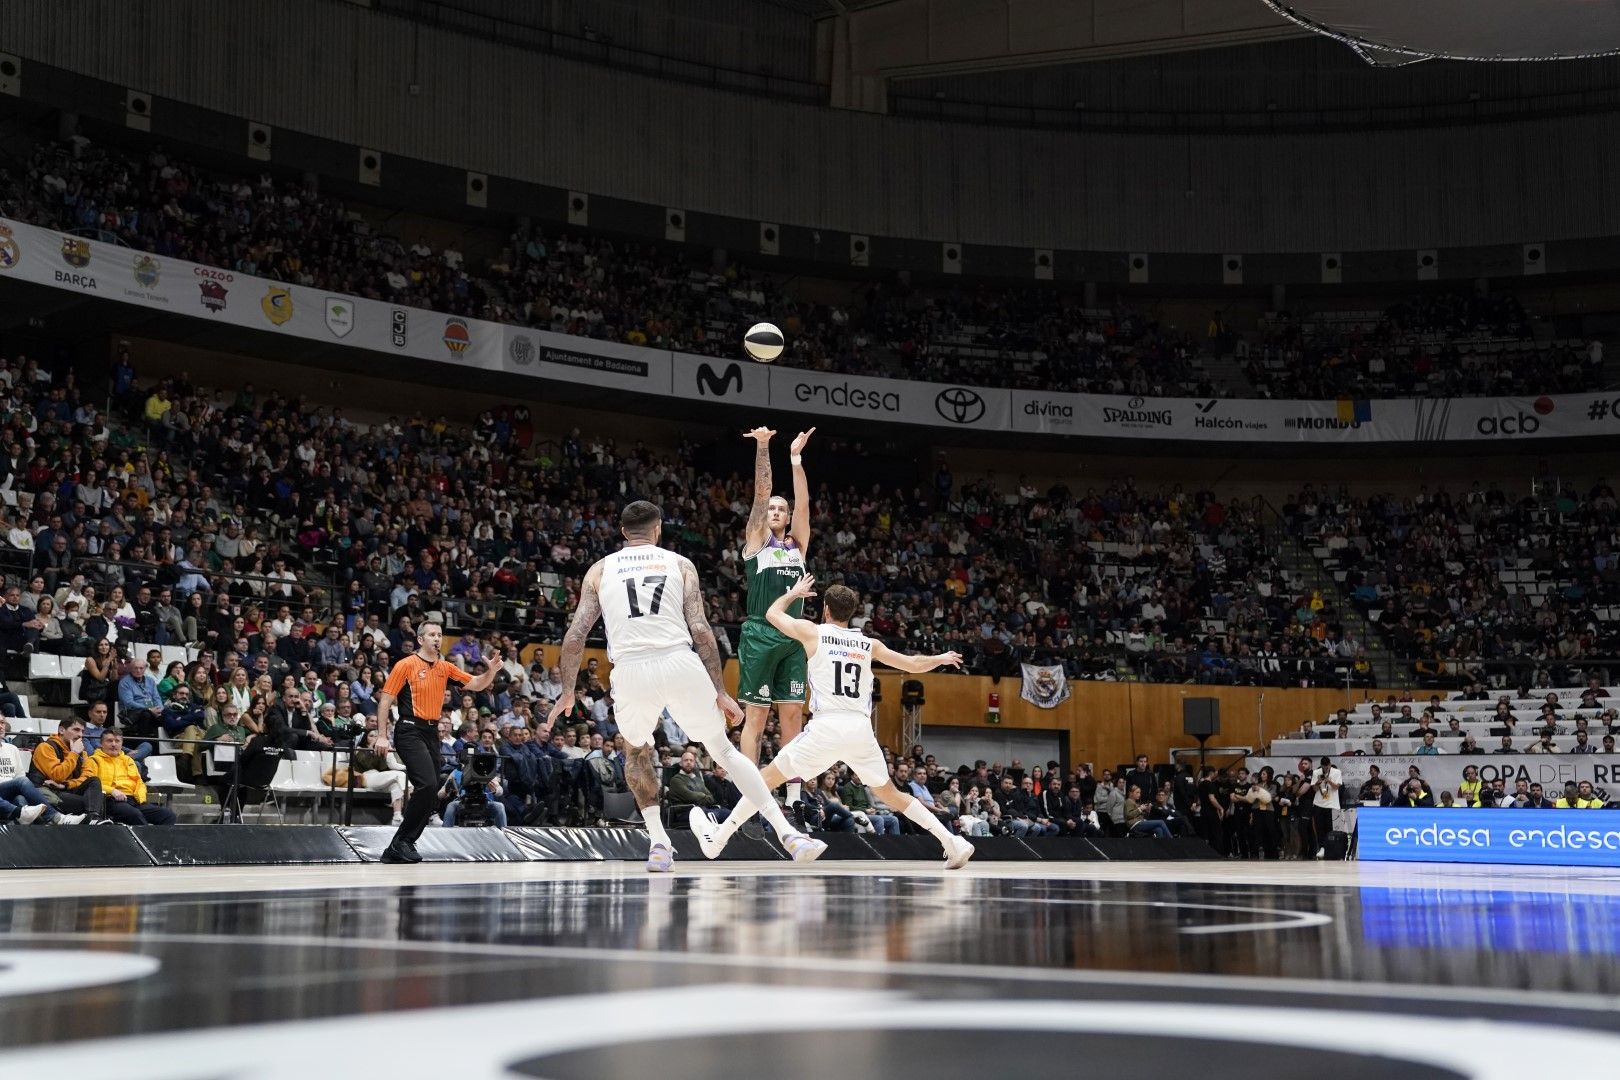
(959, 405)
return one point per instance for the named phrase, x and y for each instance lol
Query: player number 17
(657, 596)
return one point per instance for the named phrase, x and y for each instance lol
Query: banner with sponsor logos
(113, 272)
(109, 271)
(1445, 771)
(1505, 837)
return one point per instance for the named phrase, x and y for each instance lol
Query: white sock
(922, 816)
(655, 826)
(753, 789)
(795, 791)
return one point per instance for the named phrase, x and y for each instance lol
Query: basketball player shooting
(840, 667)
(651, 602)
(770, 665)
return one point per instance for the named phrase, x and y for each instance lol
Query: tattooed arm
(703, 639)
(573, 649)
(757, 533)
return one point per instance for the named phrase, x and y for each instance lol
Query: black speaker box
(1201, 716)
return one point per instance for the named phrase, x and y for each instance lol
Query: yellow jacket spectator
(1584, 799)
(124, 789)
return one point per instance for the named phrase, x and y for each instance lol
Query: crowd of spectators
(493, 530)
(1478, 587)
(641, 293)
(1433, 345)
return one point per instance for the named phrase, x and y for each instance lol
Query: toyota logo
(959, 405)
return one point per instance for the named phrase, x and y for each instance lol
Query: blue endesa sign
(1509, 837)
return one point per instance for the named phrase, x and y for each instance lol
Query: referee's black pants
(418, 747)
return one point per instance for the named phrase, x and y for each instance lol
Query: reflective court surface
(730, 970)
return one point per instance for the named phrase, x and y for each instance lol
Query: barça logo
(10, 253)
(75, 252)
(277, 305)
(456, 336)
(147, 271)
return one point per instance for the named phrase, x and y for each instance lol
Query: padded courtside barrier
(580, 845)
(436, 845)
(37, 847)
(741, 849)
(1005, 849)
(41, 847)
(913, 847)
(245, 845)
(1065, 849)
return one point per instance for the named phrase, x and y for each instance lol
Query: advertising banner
(1503, 837)
(112, 272)
(1444, 772)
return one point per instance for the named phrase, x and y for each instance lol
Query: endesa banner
(111, 272)
(1503, 837)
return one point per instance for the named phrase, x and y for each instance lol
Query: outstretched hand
(950, 659)
(564, 705)
(761, 435)
(802, 588)
(800, 439)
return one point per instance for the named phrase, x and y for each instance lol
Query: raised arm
(801, 630)
(914, 664)
(703, 640)
(492, 668)
(799, 529)
(573, 647)
(757, 531)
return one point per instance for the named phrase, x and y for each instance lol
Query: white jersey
(643, 602)
(841, 671)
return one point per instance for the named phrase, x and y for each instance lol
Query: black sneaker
(401, 851)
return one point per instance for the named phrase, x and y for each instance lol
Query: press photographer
(474, 790)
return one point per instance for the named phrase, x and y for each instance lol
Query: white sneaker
(660, 859)
(802, 848)
(31, 814)
(435, 820)
(66, 819)
(704, 828)
(961, 851)
(1321, 853)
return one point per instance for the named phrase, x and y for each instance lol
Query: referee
(417, 684)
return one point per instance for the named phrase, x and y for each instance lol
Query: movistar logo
(709, 382)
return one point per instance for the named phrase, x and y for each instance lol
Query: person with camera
(416, 684)
(1325, 783)
(474, 789)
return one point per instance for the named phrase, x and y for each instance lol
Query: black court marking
(811, 1053)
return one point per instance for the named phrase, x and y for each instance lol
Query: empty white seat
(162, 776)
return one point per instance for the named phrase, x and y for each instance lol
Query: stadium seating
(590, 286)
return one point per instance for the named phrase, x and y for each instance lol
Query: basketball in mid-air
(764, 342)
